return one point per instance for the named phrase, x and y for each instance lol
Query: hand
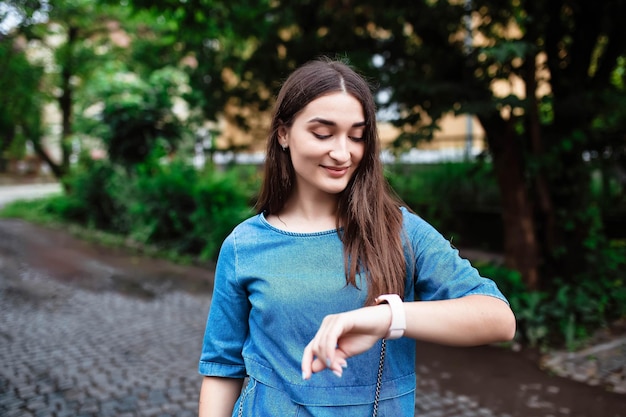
(342, 336)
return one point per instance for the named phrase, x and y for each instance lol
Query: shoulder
(250, 227)
(418, 230)
(239, 238)
(412, 221)
(250, 224)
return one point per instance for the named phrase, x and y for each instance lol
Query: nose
(340, 151)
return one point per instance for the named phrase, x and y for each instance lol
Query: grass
(36, 211)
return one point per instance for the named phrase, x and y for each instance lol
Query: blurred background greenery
(152, 115)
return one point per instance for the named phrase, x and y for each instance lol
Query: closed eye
(320, 136)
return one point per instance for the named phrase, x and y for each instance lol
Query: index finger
(307, 362)
(311, 363)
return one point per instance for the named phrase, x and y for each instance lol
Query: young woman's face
(326, 143)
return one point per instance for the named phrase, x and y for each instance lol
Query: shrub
(221, 203)
(168, 206)
(157, 202)
(565, 314)
(89, 199)
(449, 196)
(176, 207)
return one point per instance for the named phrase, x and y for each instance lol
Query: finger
(318, 365)
(307, 362)
(311, 364)
(327, 338)
(338, 366)
(342, 362)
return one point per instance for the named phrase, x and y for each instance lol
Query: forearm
(467, 321)
(218, 396)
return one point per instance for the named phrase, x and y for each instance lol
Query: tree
(20, 81)
(437, 57)
(71, 39)
(135, 117)
(20, 13)
(17, 120)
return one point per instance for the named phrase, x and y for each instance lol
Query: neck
(309, 214)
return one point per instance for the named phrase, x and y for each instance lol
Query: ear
(282, 135)
(282, 132)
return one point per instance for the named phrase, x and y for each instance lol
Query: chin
(335, 190)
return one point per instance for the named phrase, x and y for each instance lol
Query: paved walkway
(73, 342)
(72, 352)
(13, 192)
(67, 351)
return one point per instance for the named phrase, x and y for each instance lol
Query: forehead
(338, 106)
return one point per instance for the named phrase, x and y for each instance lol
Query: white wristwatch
(398, 316)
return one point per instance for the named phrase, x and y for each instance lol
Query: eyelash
(317, 135)
(359, 139)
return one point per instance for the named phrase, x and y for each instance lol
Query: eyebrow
(331, 123)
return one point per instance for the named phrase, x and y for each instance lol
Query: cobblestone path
(68, 351)
(71, 352)
(88, 349)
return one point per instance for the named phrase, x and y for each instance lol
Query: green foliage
(170, 206)
(438, 192)
(567, 314)
(21, 12)
(435, 58)
(221, 203)
(36, 211)
(158, 203)
(135, 116)
(89, 199)
(19, 83)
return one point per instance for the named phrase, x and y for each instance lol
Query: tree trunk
(520, 241)
(545, 205)
(57, 171)
(34, 136)
(7, 138)
(66, 99)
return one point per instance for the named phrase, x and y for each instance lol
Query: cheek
(303, 162)
(358, 153)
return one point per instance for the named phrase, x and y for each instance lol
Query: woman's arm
(467, 321)
(218, 396)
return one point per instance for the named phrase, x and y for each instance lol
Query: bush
(221, 204)
(452, 196)
(88, 199)
(157, 203)
(566, 314)
(171, 206)
(174, 206)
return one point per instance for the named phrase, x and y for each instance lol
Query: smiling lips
(336, 171)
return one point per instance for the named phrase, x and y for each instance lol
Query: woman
(332, 264)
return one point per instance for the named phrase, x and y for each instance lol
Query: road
(91, 331)
(10, 193)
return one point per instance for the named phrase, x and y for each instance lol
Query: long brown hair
(369, 220)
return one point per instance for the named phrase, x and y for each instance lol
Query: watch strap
(398, 315)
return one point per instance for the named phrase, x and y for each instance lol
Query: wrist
(398, 315)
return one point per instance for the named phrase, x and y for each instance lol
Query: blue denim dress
(272, 290)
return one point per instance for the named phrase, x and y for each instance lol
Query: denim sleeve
(227, 324)
(440, 273)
